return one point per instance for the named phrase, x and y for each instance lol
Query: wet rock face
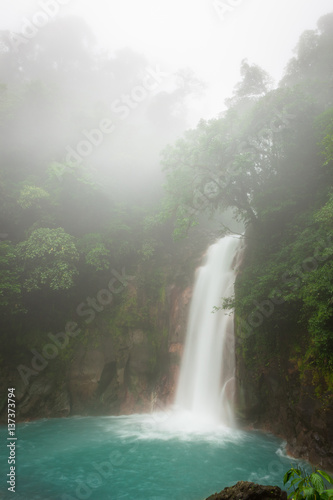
(279, 400)
(179, 301)
(109, 374)
(126, 361)
(133, 375)
(245, 490)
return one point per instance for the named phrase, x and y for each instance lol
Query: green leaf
(301, 484)
(317, 482)
(326, 476)
(287, 476)
(32, 197)
(296, 480)
(327, 494)
(48, 258)
(309, 493)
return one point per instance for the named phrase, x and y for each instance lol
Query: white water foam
(172, 425)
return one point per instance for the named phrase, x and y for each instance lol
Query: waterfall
(206, 380)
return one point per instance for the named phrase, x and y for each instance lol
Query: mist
(73, 70)
(166, 260)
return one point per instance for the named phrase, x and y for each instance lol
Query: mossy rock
(244, 490)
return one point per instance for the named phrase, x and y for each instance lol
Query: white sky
(190, 33)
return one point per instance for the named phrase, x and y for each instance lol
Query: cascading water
(206, 380)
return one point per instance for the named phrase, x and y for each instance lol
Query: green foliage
(63, 172)
(324, 215)
(309, 486)
(32, 197)
(99, 258)
(132, 314)
(242, 161)
(10, 286)
(49, 259)
(324, 125)
(204, 174)
(95, 252)
(148, 249)
(255, 82)
(312, 65)
(292, 278)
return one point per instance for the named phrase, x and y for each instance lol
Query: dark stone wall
(281, 399)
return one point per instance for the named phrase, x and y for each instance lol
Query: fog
(108, 112)
(106, 85)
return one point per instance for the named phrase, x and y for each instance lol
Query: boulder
(244, 490)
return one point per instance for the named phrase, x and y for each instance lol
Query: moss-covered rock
(245, 490)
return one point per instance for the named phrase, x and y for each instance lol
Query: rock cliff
(277, 396)
(126, 361)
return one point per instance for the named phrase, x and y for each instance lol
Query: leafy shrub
(309, 486)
